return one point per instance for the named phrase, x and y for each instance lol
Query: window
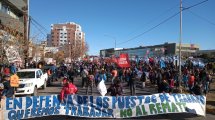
(79, 33)
(4, 8)
(65, 37)
(65, 41)
(30, 74)
(38, 74)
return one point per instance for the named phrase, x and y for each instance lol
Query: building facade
(66, 33)
(12, 27)
(155, 50)
(49, 40)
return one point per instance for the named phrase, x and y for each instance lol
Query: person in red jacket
(67, 89)
(6, 71)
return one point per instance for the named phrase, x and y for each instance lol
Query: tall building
(12, 12)
(66, 33)
(49, 40)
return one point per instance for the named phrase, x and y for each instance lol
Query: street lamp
(112, 38)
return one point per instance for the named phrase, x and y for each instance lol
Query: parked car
(30, 80)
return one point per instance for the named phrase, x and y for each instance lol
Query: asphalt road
(55, 88)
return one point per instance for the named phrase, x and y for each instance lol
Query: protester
(171, 84)
(12, 68)
(8, 90)
(132, 81)
(197, 89)
(102, 76)
(67, 89)
(158, 77)
(6, 70)
(143, 79)
(114, 75)
(185, 80)
(84, 75)
(90, 83)
(1, 91)
(64, 81)
(191, 82)
(71, 75)
(116, 88)
(206, 83)
(163, 87)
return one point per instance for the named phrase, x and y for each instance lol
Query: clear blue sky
(125, 19)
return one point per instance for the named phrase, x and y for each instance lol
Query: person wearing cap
(9, 91)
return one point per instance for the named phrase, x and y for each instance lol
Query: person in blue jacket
(12, 68)
(101, 76)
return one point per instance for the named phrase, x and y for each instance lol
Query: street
(56, 88)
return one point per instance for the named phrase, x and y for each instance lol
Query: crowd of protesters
(194, 79)
(163, 75)
(6, 90)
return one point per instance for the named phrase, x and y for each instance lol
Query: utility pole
(180, 40)
(25, 40)
(26, 35)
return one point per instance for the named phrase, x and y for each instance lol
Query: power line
(162, 22)
(195, 5)
(155, 18)
(38, 28)
(203, 18)
(38, 24)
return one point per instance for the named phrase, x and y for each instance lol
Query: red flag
(123, 61)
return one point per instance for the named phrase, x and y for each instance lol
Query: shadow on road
(173, 116)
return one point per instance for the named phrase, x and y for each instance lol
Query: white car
(30, 80)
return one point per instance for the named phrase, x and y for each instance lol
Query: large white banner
(12, 54)
(102, 106)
